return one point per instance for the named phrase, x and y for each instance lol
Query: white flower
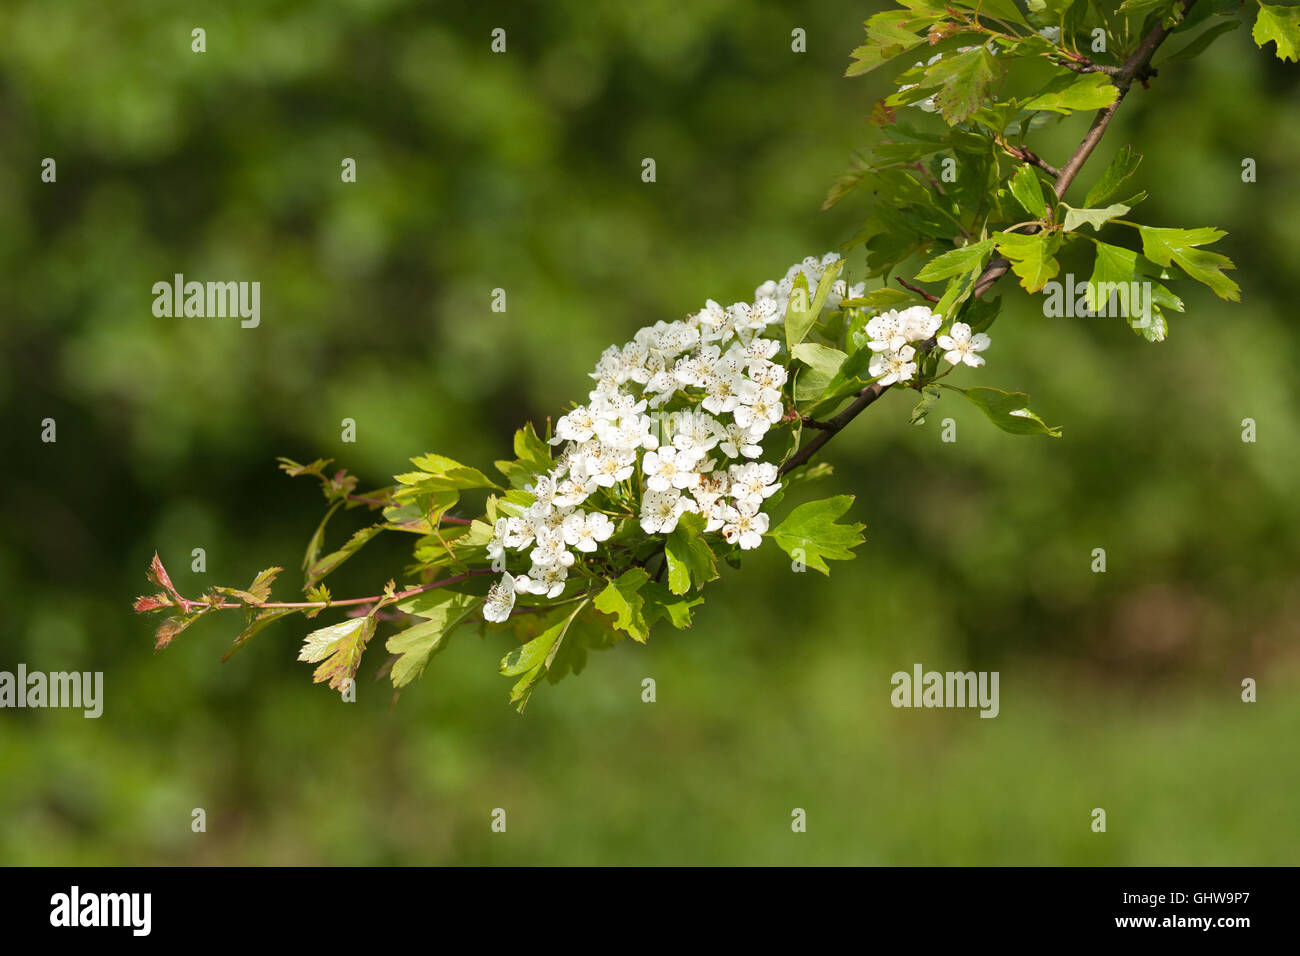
(612, 466)
(721, 390)
(518, 533)
(670, 467)
(961, 346)
(715, 514)
(891, 367)
(631, 432)
(661, 509)
(767, 374)
(583, 531)
(611, 408)
(758, 405)
(573, 491)
(496, 546)
(543, 490)
(758, 348)
(741, 441)
(744, 528)
(547, 580)
(577, 425)
(752, 483)
(697, 432)
(884, 332)
(500, 600)
(918, 323)
(697, 369)
(550, 549)
(753, 318)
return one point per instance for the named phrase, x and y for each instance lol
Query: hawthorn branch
(834, 427)
(188, 606)
(1136, 67)
(1028, 156)
(917, 289)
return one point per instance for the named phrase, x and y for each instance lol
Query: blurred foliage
(522, 171)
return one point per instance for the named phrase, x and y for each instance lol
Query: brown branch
(1137, 66)
(834, 426)
(917, 289)
(188, 606)
(1028, 156)
(1090, 67)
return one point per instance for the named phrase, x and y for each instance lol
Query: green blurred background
(522, 171)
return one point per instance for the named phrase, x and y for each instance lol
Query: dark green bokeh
(522, 171)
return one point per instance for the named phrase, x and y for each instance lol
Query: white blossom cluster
(700, 458)
(890, 334)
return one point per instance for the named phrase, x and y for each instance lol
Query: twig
(917, 289)
(349, 602)
(1028, 156)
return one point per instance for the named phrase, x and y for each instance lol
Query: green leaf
(823, 363)
(690, 559)
(1281, 25)
(799, 321)
(662, 605)
(1074, 218)
(318, 539)
(532, 457)
(1163, 246)
(955, 262)
(531, 661)
(328, 564)
(1004, 10)
(442, 611)
(1123, 166)
(1088, 91)
(964, 79)
(1115, 271)
(879, 300)
(1199, 45)
(1008, 410)
(421, 513)
(811, 534)
(929, 395)
(339, 647)
(258, 592)
(980, 313)
(1032, 256)
(261, 620)
(172, 626)
(621, 601)
(1027, 190)
(440, 473)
